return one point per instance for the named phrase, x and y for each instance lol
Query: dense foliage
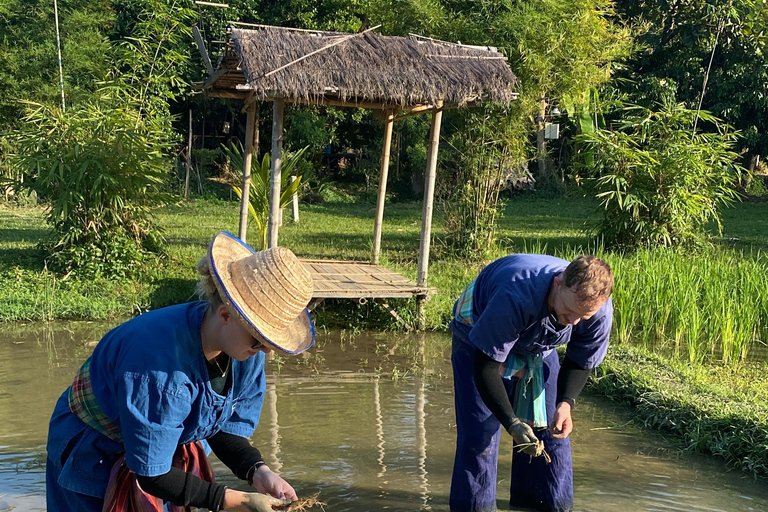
(660, 183)
(101, 165)
(702, 47)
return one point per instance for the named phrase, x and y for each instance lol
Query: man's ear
(558, 281)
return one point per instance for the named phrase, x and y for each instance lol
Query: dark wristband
(252, 471)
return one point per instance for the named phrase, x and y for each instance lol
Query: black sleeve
(184, 489)
(236, 453)
(570, 381)
(488, 381)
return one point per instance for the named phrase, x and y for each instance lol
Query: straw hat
(268, 289)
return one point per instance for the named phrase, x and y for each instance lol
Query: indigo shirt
(149, 376)
(511, 315)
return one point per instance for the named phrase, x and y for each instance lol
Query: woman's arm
(184, 489)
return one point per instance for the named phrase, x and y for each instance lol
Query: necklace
(223, 371)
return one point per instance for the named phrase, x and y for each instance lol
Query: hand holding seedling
(523, 435)
(239, 501)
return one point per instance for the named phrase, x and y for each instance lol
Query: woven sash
(529, 401)
(464, 306)
(83, 404)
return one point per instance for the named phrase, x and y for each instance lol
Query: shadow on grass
(29, 235)
(28, 258)
(171, 291)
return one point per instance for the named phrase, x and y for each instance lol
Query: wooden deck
(358, 280)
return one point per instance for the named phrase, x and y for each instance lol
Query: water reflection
(367, 422)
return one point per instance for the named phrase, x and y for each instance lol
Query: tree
(102, 173)
(683, 37)
(560, 50)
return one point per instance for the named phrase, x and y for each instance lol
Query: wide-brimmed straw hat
(268, 290)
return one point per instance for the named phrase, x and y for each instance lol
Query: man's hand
(239, 501)
(562, 423)
(267, 481)
(523, 435)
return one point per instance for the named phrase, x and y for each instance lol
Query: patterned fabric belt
(529, 402)
(83, 404)
(464, 306)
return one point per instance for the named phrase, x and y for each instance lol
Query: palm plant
(258, 203)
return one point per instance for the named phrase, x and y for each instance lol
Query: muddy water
(358, 422)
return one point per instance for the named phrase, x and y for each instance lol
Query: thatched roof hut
(401, 75)
(359, 69)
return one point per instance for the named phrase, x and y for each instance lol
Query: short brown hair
(591, 278)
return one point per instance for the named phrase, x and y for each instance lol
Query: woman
(132, 430)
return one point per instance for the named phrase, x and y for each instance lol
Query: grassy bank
(711, 409)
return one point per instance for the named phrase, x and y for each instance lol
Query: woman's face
(235, 340)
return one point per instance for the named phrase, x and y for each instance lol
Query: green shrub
(260, 185)
(100, 166)
(483, 159)
(658, 183)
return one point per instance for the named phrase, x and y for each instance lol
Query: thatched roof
(359, 68)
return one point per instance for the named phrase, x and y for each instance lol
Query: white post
(426, 215)
(295, 204)
(275, 172)
(58, 46)
(189, 158)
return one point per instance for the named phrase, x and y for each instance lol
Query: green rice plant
(697, 305)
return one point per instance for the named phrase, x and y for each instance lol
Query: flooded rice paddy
(366, 421)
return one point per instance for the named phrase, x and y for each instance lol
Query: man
(507, 323)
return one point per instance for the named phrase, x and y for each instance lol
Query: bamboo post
(426, 215)
(390, 121)
(275, 171)
(247, 158)
(189, 158)
(541, 143)
(295, 204)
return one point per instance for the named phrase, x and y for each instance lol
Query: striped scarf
(529, 401)
(124, 494)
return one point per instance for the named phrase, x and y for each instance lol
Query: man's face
(567, 308)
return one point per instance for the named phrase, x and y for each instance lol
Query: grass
(715, 410)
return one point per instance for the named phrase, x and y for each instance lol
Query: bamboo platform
(335, 279)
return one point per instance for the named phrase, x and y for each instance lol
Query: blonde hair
(205, 287)
(591, 278)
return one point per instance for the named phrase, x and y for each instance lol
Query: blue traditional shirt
(149, 376)
(510, 315)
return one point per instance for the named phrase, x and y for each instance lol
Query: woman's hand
(239, 501)
(267, 481)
